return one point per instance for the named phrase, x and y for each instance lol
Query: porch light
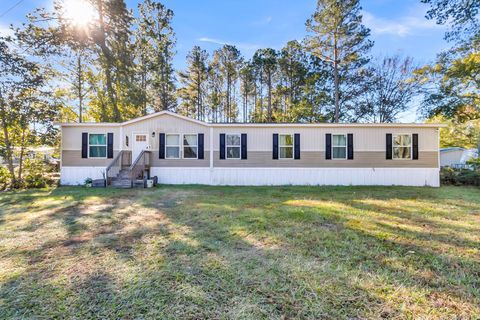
(153, 134)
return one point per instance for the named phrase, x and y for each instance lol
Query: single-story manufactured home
(457, 157)
(181, 150)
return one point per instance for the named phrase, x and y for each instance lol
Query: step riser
(123, 180)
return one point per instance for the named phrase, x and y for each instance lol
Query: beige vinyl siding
(369, 143)
(72, 136)
(73, 158)
(313, 139)
(156, 162)
(165, 124)
(316, 159)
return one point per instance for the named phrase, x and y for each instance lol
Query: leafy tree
(339, 38)
(194, 81)
(389, 90)
(452, 83)
(24, 110)
(461, 15)
(463, 129)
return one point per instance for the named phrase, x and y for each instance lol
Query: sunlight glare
(79, 12)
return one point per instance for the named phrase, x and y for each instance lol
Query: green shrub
(4, 178)
(37, 174)
(457, 177)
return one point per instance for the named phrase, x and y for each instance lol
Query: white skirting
(77, 175)
(299, 176)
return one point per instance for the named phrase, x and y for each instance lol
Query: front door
(140, 143)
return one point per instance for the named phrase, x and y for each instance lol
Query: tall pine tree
(338, 37)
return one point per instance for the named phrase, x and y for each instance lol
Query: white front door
(140, 143)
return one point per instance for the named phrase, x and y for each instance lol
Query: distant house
(181, 150)
(44, 153)
(456, 157)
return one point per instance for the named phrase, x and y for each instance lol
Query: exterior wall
(72, 136)
(448, 158)
(164, 124)
(77, 175)
(299, 176)
(316, 159)
(313, 138)
(369, 166)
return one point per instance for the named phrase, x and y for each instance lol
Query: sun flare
(78, 12)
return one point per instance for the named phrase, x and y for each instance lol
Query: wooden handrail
(136, 165)
(117, 163)
(113, 162)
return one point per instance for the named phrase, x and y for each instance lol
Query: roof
(451, 149)
(240, 124)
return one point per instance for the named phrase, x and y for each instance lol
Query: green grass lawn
(241, 252)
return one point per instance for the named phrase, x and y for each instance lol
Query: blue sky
(397, 26)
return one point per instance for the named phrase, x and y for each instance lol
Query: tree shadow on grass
(230, 253)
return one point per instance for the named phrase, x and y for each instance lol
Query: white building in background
(456, 156)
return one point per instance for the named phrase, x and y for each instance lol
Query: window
(285, 145)
(141, 138)
(97, 145)
(232, 146)
(339, 146)
(402, 146)
(172, 146)
(190, 146)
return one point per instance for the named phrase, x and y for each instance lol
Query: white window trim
(183, 145)
(293, 146)
(233, 146)
(98, 145)
(411, 145)
(180, 144)
(346, 146)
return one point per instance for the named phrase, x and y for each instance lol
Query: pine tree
(247, 88)
(194, 81)
(338, 37)
(159, 43)
(265, 61)
(228, 60)
(293, 68)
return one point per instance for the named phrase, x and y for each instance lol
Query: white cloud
(402, 26)
(262, 22)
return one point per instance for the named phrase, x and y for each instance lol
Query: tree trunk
(107, 68)
(79, 88)
(20, 159)
(336, 82)
(269, 106)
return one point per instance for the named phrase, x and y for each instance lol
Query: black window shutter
(110, 145)
(244, 146)
(275, 146)
(350, 146)
(415, 146)
(201, 154)
(161, 146)
(328, 146)
(296, 143)
(84, 145)
(222, 146)
(389, 147)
